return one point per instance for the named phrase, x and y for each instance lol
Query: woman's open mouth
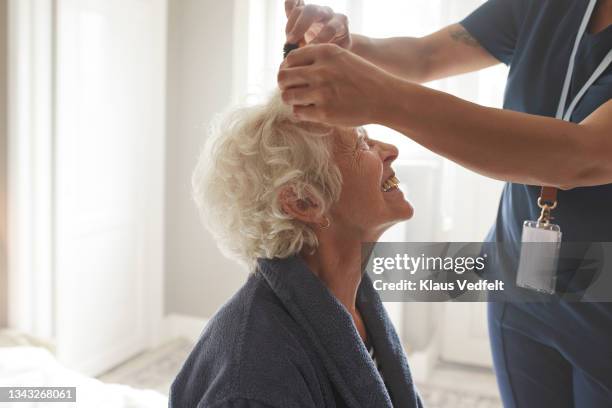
(390, 184)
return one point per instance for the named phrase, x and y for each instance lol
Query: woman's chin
(405, 214)
(402, 211)
(408, 212)
(398, 204)
(397, 215)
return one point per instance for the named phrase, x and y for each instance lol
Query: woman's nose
(388, 153)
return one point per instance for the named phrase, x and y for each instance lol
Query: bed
(34, 365)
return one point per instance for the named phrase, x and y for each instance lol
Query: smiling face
(370, 201)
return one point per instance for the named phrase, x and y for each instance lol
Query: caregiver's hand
(328, 84)
(315, 24)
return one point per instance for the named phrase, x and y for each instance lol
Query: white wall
(200, 60)
(3, 149)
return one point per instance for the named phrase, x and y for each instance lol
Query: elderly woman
(295, 201)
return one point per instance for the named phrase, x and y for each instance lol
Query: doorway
(85, 197)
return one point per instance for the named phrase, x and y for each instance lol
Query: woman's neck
(337, 263)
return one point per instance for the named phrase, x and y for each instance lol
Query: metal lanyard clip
(545, 216)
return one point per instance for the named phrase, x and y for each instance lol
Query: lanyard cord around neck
(605, 63)
(548, 195)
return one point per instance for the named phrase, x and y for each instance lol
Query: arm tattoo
(461, 35)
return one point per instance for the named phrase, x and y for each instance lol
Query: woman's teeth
(390, 184)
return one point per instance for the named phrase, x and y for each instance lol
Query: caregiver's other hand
(328, 84)
(316, 24)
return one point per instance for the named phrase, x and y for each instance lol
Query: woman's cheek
(376, 172)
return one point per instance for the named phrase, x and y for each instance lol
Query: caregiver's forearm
(502, 144)
(449, 51)
(401, 56)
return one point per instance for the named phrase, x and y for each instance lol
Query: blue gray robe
(283, 341)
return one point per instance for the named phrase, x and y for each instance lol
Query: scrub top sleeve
(496, 26)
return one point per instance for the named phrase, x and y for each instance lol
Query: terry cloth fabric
(283, 340)
(372, 354)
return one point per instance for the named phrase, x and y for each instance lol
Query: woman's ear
(306, 209)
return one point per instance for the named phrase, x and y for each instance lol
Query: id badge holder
(541, 242)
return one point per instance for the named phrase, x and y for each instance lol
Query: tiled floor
(449, 387)
(460, 387)
(434, 397)
(153, 369)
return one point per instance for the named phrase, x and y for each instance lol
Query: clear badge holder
(541, 242)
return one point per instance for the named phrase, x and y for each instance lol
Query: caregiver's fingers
(309, 54)
(301, 96)
(291, 77)
(291, 4)
(309, 113)
(291, 20)
(337, 27)
(303, 17)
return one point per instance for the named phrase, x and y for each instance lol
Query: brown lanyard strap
(547, 202)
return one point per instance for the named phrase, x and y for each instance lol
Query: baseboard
(423, 362)
(463, 378)
(183, 326)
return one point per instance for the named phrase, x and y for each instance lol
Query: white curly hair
(250, 156)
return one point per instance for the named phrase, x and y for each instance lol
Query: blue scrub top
(535, 38)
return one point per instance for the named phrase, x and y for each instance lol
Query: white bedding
(36, 366)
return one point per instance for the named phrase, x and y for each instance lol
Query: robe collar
(331, 330)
